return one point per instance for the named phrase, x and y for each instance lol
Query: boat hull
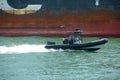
(90, 46)
(54, 17)
(110, 29)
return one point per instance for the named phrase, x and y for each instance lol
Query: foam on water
(25, 48)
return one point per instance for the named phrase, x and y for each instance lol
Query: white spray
(25, 48)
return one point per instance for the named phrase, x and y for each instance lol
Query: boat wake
(25, 48)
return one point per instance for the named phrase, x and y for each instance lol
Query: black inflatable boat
(74, 42)
(90, 46)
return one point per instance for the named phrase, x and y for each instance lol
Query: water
(25, 58)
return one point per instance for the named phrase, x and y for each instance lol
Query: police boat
(74, 42)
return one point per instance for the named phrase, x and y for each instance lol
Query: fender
(27, 10)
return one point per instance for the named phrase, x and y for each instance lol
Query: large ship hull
(97, 20)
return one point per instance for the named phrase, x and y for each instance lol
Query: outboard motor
(50, 43)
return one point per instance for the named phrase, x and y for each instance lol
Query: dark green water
(24, 58)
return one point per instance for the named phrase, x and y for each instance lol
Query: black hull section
(90, 46)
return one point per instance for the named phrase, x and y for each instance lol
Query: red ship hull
(110, 29)
(56, 17)
(93, 23)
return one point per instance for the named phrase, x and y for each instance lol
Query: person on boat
(77, 36)
(69, 40)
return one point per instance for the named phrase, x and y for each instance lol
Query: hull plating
(55, 18)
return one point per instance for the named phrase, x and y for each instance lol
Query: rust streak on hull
(94, 23)
(111, 29)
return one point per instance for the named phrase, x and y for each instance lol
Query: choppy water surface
(25, 58)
